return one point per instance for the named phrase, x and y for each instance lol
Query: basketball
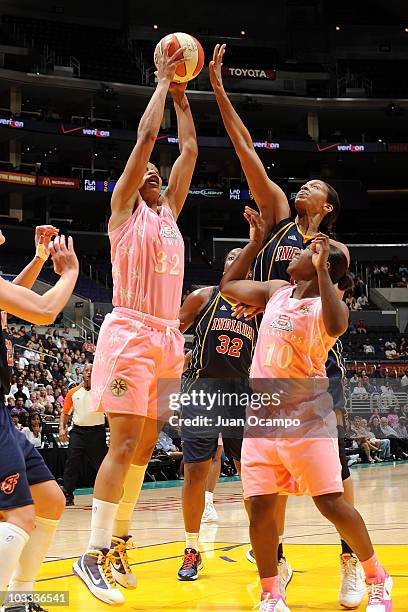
(193, 55)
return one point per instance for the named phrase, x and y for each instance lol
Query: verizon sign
(249, 73)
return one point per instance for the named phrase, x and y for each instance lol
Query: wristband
(41, 252)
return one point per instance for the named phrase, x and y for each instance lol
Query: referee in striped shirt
(87, 438)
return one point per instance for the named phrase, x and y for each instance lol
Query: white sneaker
(285, 574)
(250, 555)
(270, 604)
(379, 596)
(94, 569)
(120, 563)
(352, 586)
(210, 513)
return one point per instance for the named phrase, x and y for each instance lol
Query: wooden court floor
(229, 583)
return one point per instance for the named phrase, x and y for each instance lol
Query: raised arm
(28, 276)
(126, 194)
(192, 306)
(269, 197)
(183, 168)
(335, 311)
(232, 285)
(43, 309)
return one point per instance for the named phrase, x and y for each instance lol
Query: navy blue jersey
(6, 359)
(223, 345)
(280, 246)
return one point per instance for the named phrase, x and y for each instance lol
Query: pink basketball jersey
(292, 340)
(147, 253)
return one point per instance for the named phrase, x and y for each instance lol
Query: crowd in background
(46, 363)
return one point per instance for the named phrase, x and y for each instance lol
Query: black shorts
(202, 449)
(21, 465)
(345, 471)
(200, 444)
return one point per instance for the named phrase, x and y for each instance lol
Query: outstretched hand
(256, 223)
(216, 67)
(63, 255)
(42, 239)
(167, 64)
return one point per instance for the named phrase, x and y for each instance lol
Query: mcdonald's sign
(58, 182)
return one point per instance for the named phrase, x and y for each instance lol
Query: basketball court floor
(228, 582)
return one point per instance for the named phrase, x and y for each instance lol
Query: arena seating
(101, 51)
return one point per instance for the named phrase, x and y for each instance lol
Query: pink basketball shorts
(135, 351)
(294, 466)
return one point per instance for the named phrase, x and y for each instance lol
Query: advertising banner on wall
(18, 178)
(58, 182)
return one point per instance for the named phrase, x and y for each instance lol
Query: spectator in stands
(403, 270)
(351, 302)
(30, 353)
(391, 353)
(56, 338)
(33, 432)
(20, 404)
(403, 347)
(22, 361)
(98, 317)
(401, 429)
(11, 402)
(364, 440)
(380, 447)
(88, 347)
(388, 398)
(362, 302)
(77, 376)
(397, 448)
(352, 328)
(354, 380)
(392, 417)
(368, 347)
(374, 388)
(166, 444)
(376, 414)
(22, 392)
(15, 418)
(361, 329)
(56, 373)
(360, 390)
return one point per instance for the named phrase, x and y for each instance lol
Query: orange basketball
(193, 55)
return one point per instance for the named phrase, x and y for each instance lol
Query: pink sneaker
(379, 596)
(272, 604)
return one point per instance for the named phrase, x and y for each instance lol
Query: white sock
(103, 515)
(130, 494)
(33, 555)
(209, 497)
(192, 540)
(12, 542)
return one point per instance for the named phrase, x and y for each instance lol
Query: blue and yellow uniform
(221, 359)
(21, 465)
(280, 246)
(223, 345)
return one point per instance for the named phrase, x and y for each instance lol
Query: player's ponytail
(338, 268)
(328, 222)
(345, 282)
